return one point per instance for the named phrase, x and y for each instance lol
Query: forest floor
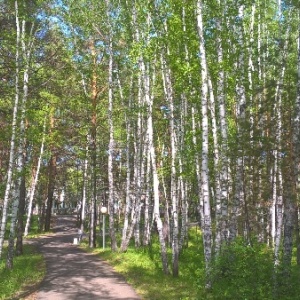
(72, 273)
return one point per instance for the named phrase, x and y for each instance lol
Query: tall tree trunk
(168, 88)
(112, 233)
(13, 133)
(197, 166)
(296, 139)
(94, 97)
(205, 184)
(155, 180)
(19, 199)
(50, 192)
(220, 220)
(84, 190)
(34, 182)
(280, 205)
(21, 212)
(223, 159)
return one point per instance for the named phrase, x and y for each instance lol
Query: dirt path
(73, 274)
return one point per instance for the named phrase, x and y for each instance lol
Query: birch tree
(14, 127)
(205, 184)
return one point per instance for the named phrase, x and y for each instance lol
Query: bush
(243, 272)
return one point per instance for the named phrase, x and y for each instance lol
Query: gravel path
(73, 274)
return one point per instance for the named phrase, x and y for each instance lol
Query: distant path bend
(73, 274)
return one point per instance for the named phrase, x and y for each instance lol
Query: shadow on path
(73, 274)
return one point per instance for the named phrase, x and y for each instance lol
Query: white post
(103, 211)
(103, 231)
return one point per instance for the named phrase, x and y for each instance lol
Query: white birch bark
(128, 167)
(134, 204)
(289, 187)
(26, 53)
(207, 225)
(218, 204)
(148, 98)
(239, 182)
(279, 207)
(221, 102)
(296, 137)
(84, 189)
(147, 233)
(155, 182)
(182, 185)
(13, 134)
(111, 138)
(166, 75)
(34, 182)
(197, 166)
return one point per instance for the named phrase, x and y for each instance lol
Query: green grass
(142, 268)
(28, 271)
(242, 272)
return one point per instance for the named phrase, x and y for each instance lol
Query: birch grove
(169, 113)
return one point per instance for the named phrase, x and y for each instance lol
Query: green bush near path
(28, 270)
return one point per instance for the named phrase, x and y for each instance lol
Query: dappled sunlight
(74, 274)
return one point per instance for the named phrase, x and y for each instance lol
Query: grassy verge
(142, 269)
(27, 272)
(241, 272)
(28, 269)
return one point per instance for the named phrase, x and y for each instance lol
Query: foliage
(29, 270)
(34, 227)
(245, 271)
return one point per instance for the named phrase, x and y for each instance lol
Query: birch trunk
(128, 167)
(198, 172)
(21, 212)
(147, 232)
(279, 159)
(168, 89)
(84, 190)
(112, 232)
(50, 192)
(18, 192)
(34, 182)
(289, 170)
(205, 184)
(93, 144)
(47, 209)
(239, 182)
(182, 183)
(221, 102)
(128, 188)
(13, 134)
(155, 180)
(296, 138)
(220, 220)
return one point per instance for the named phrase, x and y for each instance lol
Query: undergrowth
(240, 272)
